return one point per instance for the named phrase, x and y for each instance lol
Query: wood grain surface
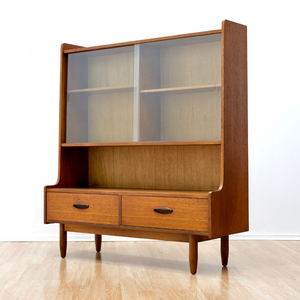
(102, 209)
(188, 213)
(233, 197)
(156, 167)
(141, 192)
(149, 270)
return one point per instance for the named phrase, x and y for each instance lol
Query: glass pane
(160, 91)
(180, 89)
(100, 96)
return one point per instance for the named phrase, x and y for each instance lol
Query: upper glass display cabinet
(164, 91)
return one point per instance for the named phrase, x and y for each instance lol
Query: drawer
(103, 209)
(188, 213)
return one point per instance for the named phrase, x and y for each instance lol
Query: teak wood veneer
(153, 140)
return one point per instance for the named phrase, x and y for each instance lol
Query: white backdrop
(31, 34)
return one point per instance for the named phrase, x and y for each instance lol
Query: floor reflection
(98, 257)
(224, 283)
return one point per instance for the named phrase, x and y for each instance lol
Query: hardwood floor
(149, 270)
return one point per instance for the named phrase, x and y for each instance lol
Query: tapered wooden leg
(224, 250)
(62, 240)
(98, 242)
(193, 253)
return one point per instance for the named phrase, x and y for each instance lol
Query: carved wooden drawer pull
(81, 205)
(163, 210)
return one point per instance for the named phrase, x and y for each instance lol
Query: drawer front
(103, 209)
(187, 213)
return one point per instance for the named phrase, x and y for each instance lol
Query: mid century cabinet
(153, 140)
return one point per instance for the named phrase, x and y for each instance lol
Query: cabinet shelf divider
(153, 143)
(185, 89)
(113, 89)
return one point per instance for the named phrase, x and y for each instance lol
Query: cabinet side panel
(74, 164)
(229, 206)
(155, 167)
(62, 115)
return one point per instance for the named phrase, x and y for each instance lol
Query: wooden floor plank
(149, 270)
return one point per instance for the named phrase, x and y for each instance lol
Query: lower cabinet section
(164, 212)
(162, 215)
(70, 207)
(176, 213)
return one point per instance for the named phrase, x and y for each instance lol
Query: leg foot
(224, 250)
(193, 253)
(62, 240)
(98, 242)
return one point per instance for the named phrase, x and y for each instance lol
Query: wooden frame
(154, 177)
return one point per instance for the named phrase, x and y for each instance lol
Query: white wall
(31, 34)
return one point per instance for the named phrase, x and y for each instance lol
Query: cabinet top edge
(85, 49)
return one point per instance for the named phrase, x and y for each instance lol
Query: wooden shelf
(185, 89)
(156, 143)
(113, 89)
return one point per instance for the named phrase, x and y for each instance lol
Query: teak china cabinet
(153, 140)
